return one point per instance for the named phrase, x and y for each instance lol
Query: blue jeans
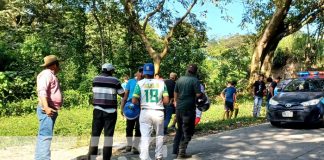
(45, 134)
(257, 106)
(169, 109)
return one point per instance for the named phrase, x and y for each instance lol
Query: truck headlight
(311, 102)
(273, 102)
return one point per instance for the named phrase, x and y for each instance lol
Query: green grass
(76, 122)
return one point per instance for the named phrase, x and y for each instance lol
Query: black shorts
(229, 106)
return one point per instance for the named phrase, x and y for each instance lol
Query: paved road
(258, 142)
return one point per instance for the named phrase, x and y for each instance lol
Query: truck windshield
(305, 85)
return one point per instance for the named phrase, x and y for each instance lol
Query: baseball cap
(108, 67)
(192, 68)
(148, 69)
(131, 111)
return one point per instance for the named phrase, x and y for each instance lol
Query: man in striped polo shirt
(153, 94)
(105, 90)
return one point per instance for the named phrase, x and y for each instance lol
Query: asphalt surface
(292, 142)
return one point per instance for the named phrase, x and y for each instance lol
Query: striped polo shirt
(105, 90)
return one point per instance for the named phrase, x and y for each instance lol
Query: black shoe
(135, 151)
(183, 156)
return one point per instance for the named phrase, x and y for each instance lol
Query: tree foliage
(157, 13)
(276, 20)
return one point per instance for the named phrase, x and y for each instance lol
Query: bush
(71, 99)
(19, 108)
(15, 86)
(74, 98)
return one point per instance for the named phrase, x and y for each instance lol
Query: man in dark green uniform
(186, 90)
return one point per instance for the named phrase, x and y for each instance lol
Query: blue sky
(217, 27)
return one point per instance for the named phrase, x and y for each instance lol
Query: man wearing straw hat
(49, 102)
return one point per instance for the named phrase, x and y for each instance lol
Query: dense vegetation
(84, 34)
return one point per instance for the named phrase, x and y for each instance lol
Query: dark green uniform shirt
(187, 87)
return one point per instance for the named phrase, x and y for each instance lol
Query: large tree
(277, 19)
(141, 13)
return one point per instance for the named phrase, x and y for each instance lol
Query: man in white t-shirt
(153, 94)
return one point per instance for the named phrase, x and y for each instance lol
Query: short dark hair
(107, 72)
(269, 79)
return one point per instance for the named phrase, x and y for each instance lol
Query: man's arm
(123, 102)
(165, 96)
(271, 89)
(120, 90)
(175, 95)
(223, 94)
(136, 94)
(197, 89)
(234, 97)
(42, 86)
(49, 111)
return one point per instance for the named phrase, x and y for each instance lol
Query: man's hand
(49, 111)
(175, 104)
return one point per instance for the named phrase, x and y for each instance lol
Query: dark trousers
(102, 120)
(130, 126)
(169, 110)
(186, 128)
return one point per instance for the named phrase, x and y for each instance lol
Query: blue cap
(131, 111)
(148, 69)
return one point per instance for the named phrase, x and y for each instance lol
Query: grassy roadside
(76, 122)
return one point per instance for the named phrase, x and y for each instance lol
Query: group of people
(148, 104)
(260, 89)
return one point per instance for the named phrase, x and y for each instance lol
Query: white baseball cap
(108, 67)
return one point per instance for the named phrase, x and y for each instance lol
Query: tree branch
(167, 39)
(299, 24)
(94, 13)
(149, 15)
(129, 8)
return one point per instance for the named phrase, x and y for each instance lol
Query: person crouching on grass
(229, 97)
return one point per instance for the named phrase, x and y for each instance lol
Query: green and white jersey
(150, 92)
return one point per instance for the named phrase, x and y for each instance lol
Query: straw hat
(49, 60)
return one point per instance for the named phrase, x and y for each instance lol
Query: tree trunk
(157, 62)
(102, 48)
(267, 64)
(269, 39)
